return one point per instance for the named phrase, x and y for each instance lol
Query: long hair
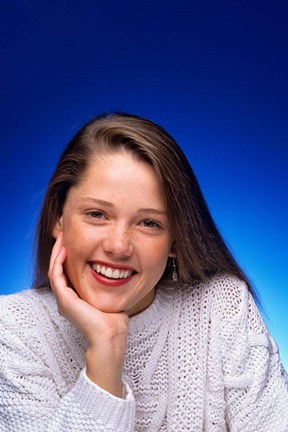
(200, 249)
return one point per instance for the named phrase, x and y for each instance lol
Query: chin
(105, 307)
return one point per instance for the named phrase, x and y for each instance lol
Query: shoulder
(226, 294)
(225, 286)
(24, 303)
(219, 301)
(234, 314)
(32, 328)
(225, 300)
(219, 292)
(23, 313)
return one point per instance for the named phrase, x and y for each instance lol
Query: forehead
(120, 161)
(117, 174)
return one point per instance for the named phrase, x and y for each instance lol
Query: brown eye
(96, 214)
(148, 223)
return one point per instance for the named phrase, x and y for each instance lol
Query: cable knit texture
(198, 359)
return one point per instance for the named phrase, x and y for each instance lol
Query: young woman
(141, 320)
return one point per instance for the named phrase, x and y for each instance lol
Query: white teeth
(108, 272)
(111, 273)
(116, 274)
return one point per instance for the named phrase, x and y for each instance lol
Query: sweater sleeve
(255, 383)
(30, 399)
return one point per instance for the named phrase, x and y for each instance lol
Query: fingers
(56, 273)
(85, 317)
(57, 249)
(106, 333)
(57, 259)
(66, 297)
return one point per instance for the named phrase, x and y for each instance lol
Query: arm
(29, 393)
(256, 387)
(106, 333)
(31, 397)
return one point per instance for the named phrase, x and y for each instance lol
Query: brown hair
(200, 249)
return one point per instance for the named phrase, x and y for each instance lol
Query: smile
(111, 273)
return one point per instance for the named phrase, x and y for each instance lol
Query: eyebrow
(97, 201)
(109, 204)
(152, 210)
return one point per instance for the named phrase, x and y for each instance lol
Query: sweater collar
(154, 313)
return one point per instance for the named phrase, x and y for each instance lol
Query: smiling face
(116, 232)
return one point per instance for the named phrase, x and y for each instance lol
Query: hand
(106, 333)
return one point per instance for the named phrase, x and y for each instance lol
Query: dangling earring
(174, 269)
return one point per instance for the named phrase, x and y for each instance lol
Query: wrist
(105, 370)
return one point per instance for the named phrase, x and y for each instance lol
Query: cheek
(75, 238)
(77, 253)
(157, 256)
(75, 266)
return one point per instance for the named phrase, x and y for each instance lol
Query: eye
(148, 223)
(96, 214)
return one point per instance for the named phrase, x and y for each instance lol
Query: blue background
(213, 73)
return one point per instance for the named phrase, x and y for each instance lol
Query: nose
(118, 242)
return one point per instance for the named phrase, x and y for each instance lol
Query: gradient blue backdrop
(213, 73)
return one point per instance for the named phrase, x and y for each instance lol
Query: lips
(108, 274)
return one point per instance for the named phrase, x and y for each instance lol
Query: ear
(172, 252)
(58, 227)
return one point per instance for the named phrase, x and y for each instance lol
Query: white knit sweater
(198, 359)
